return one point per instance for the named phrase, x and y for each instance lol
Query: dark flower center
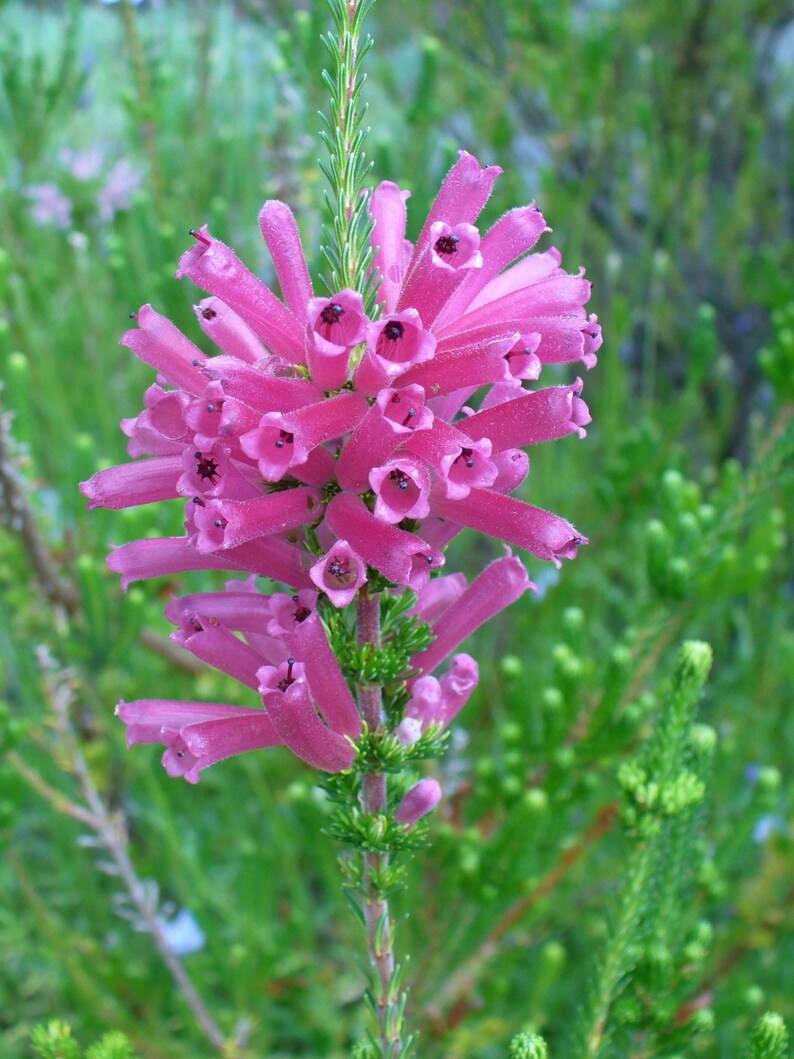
(393, 331)
(284, 438)
(332, 313)
(467, 455)
(207, 467)
(400, 477)
(447, 245)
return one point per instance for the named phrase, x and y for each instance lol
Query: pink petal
(499, 585)
(229, 331)
(158, 342)
(401, 557)
(420, 800)
(283, 240)
(387, 207)
(130, 484)
(546, 535)
(295, 719)
(215, 268)
(326, 682)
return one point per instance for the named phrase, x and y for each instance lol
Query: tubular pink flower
(402, 488)
(396, 414)
(289, 705)
(240, 611)
(196, 734)
(460, 462)
(209, 472)
(280, 232)
(229, 331)
(531, 418)
(340, 573)
(212, 643)
(387, 208)
(464, 192)
(459, 361)
(287, 612)
(282, 441)
(326, 681)
(452, 251)
(163, 556)
(420, 800)
(437, 596)
(159, 343)
(130, 484)
(512, 467)
(501, 583)
(401, 557)
(160, 429)
(335, 326)
(263, 390)
(546, 535)
(229, 523)
(215, 268)
(436, 703)
(394, 345)
(513, 234)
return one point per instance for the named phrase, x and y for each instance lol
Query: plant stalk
(374, 801)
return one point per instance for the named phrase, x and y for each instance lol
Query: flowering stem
(346, 249)
(385, 995)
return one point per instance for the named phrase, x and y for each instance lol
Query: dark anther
(447, 245)
(198, 236)
(393, 330)
(180, 753)
(207, 467)
(409, 416)
(339, 568)
(400, 477)
(196, 363)
(332, 313)
(199, 500)
(133, 316)
(219, 523)
(210, 407)
(197, 626)
(395, 399)
(208, 314)
(284, 438)
(301, 614)
(467, 455)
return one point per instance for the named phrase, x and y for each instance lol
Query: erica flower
(324, 444)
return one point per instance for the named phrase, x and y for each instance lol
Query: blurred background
(657, 140)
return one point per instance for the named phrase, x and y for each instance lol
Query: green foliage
(527, 1046)
(769, 1039)
(54, 1041)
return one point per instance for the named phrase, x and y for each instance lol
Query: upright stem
(374, 801)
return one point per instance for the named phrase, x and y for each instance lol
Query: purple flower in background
(324, 446)
(49, 205)
(123, 180)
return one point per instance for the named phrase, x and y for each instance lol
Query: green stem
(374, 802)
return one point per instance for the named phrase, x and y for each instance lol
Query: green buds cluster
(527, 1046)
(769, 1039)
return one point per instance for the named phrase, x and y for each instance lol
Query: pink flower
(324, 444)
(420, 800)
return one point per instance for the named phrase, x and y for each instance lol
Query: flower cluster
(335, 452)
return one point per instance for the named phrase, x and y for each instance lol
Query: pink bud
(420, 800)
